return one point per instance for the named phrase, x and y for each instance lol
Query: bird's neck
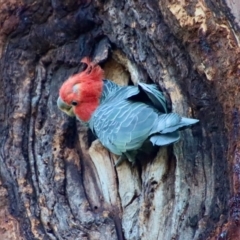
(109, 88)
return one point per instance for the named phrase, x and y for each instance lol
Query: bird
(123, 118)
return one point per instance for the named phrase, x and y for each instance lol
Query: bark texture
(58, 182)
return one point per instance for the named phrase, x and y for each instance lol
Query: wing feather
(123, 123)
(156, 97)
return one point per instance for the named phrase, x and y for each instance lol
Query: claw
(119, 161)
(130, 156)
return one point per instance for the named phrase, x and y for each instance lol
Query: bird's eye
(74, 103)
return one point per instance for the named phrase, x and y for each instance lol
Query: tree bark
(58, 182)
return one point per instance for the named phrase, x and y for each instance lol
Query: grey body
(129, 116)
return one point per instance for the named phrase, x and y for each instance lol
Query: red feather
(85, 88)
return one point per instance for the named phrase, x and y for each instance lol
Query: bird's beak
(65, 107)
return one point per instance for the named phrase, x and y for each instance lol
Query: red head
(83, 90)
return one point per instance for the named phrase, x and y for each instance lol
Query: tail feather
(165, 139)
(171, 122)
(185, 122)
(188, 121)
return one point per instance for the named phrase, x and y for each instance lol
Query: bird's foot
(131, 158)
(120, 160)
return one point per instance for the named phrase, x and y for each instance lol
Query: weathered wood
(9, 229)
(58, 181)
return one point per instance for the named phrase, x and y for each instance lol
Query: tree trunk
(58, 182)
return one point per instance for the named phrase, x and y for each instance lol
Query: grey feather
(123, 123)
(171, 122)
(166, 139)
(155, 96)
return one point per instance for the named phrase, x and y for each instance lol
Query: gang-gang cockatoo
(123, 118)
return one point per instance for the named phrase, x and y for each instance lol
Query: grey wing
(155, 95)
(119, 94)
(124, 127)
(116, 92)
